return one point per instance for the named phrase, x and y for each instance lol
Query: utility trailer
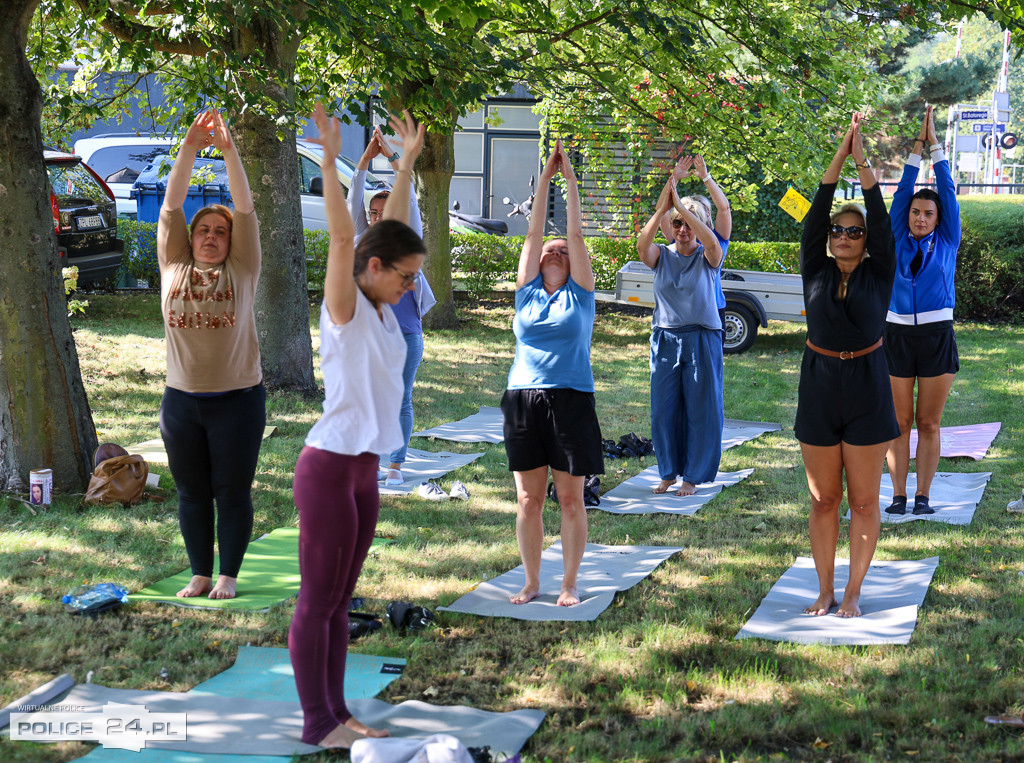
(751, 299)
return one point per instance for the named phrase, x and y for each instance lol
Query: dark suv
(84, 219)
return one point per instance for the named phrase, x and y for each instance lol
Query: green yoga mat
(269, 574)
(264, 673)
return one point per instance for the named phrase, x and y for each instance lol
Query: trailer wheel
(740, 328)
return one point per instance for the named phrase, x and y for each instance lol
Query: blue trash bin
(149, 189)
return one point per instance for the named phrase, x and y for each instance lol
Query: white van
(120, 158)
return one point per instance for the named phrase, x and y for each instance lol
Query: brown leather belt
(845, 354)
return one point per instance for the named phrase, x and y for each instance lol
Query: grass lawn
(658, 676)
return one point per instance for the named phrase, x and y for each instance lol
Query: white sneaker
(431, 492)
(1016, 506)
(458, 491)
(393, 477)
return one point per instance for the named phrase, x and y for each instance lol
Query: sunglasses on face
(407, 278)
(677, 224)
(853, 233)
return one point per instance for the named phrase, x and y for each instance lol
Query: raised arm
(197, 138)
(339, 282)
(397, 206)
(814, 239)
(723, 212)
(867, 177)
(393, 156)
(580, 269)
(949, 220)
(356, 204)
(682, 170)
(241, 195)
(529, 258)
(645, 246)
(706, 236)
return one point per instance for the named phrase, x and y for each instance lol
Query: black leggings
(212, 445)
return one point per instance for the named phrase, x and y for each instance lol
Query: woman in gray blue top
(686, 345)
(549, 412)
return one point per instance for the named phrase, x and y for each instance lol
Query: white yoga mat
(954, 496)
(485, 426)
(154, 453)
(891, 594)
(423, 465)
(636, 496)
(604, 571)
(972, 440)
(736, 432)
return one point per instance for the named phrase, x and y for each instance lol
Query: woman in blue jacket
(919, 342)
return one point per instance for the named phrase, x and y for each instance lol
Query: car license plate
(92, 221)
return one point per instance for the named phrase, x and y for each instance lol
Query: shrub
(990, 265)
(316, 258)
(139, 252)
(767, 256)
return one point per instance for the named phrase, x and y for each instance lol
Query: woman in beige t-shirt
(213, 410)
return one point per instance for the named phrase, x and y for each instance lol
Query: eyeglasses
(677, 223)
(853, 233)
(375, 214)
(407, 278)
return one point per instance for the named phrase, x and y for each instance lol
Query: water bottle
(90, 597)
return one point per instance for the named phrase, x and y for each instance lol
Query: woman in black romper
(845, 418)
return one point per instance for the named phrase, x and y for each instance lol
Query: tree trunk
(282, 299)
(434, 170)
(45, 420)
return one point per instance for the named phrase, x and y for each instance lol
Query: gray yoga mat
(636, 496)
(891, 595)
(423, 465)
(736, 432)
(504, 733)
(604, 571)
(953, 495)
(484, 426)
(257, 728)
(44, 695)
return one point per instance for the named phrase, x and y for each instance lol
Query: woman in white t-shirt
(362, 353)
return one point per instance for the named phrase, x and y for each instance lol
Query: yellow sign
(795, 204)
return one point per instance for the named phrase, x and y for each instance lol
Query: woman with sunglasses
(695, 165)
(413, 305)
(550, 419)
(362, 352)
(686, 344)
(844, 417)
(919, 342)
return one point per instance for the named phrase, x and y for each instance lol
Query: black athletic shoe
(921, 505)
(898, 505)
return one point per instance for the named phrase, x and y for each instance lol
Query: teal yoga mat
(264, 673)
(269, 575)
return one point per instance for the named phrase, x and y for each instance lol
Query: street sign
(987, 128)
(974, 115)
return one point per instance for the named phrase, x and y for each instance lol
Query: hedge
(990, 272)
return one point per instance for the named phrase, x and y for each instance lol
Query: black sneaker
(921, 505)
(898, 505)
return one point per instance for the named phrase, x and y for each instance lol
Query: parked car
(84, 219)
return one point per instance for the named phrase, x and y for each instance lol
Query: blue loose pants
(687, 409)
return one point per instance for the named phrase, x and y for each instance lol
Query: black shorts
(845, 401)
(921, 352)
(552, 427)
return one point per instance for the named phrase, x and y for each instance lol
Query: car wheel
(740, 328)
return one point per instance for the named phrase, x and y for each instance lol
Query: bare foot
(568, 598)
(850, 606)
(199, 585)
(225, 588)
(687, 488)
(341, 737)
(664, 485)
(361, 728)
(529, 593)
(824, 603)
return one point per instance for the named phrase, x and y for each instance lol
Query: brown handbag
(121, 479)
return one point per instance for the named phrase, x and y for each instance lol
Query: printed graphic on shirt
(206, 301)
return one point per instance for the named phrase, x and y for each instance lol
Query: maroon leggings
(338, 503)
